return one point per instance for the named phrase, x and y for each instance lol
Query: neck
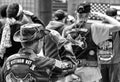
(29, 48)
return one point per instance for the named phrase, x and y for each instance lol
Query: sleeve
(67, 54)
(48, 63)
(64, 46)
(1, 29)
(65, 49)
(100, 32)
(35, 19)
(2, 76)
(67, 29)
(42, 62)
(52, 64)
(57, 38)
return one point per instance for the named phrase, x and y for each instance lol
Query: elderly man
(26, 66)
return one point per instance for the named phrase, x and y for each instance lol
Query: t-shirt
(95, 34)
(100, 32)
(103, 39)
(105, 51)
(116, 47)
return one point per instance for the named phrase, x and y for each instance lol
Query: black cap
(111, 12)
(14, 10)
(84, 7)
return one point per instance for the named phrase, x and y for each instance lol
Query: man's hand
(10, 21)
(63, 65)
(99, 14)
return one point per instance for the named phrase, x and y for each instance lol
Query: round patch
(91, 52)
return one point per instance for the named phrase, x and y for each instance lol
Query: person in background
(57, 24)
(105, 50)
(57, 49)
(58, 21)
(26, 66)
(86, 38)
(114, 75)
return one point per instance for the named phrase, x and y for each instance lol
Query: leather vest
(86, 49)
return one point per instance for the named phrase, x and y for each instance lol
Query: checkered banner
(98, 7)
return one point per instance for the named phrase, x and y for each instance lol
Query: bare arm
(114, 25)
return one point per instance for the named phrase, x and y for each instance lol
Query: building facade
(41, 8)
(72, 4)
(97, 5)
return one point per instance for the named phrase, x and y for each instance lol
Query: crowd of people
(68, 49)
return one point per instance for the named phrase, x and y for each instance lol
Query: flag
(98, 7)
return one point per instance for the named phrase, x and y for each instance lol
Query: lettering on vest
(23, 61)
(105, 51)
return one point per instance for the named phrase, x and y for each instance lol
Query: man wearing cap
(86, 37)
(26, 66)
(114, 66)
(105, 51)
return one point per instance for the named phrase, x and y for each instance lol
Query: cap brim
(18, 38)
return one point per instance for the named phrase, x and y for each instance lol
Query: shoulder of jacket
(13, 56)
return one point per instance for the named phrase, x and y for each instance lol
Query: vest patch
(105, 51)
(22, 61)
